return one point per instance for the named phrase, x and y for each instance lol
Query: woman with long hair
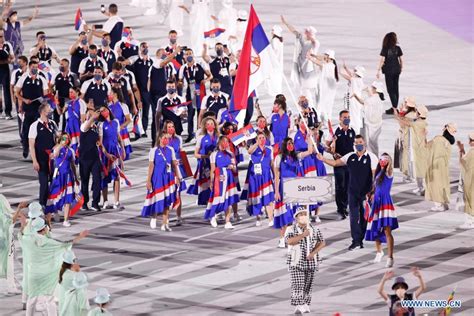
(279, 122)
(382, 219)
(68, 270)
(112, 154)
(391, 65)
(121, 112)
(320, 167)
(327, 82)
(224, 192)
(205, 145)
(262, 127)
(163, 174)
(61, 192)
(75, 116)
(176, 143)
(102, 299)
(405, 116)
(287, 165)
(259, 191)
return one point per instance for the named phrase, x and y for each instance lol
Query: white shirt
(151, 154)
(87, 83)
(33, 131)
(82, 65)
(373, 110)
(110, 23)
(41, 81)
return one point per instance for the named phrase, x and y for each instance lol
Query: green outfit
(97, 311)
(75, 303)
(6, 240)
(65, 286)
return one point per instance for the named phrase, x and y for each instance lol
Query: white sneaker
(306, 309)
(281, 243)
(106, 205)
(416, 191)
(258, 223)
(66, 224)
(467, 225)
(389, 263)
(228, 225)
(438, 208)
(270, 224)
(117, 206)
(214, 222)
(153, 223)
(317, 220)
(298, 310)
(165, 228)
(378, 257)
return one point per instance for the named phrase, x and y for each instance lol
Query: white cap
(378, 86)
(452, 128)
(242, 14)
(471, 135)
(35, 210)
(277, 30)
(227, 3)
(360, 71)
(38, 224)
(102, 296)
(80, 280)
(423, 110)
(311, 29)
(300, 209)
(410, 101)
(69, 257)
(331, 53)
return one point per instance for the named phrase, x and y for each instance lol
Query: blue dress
(111, 144)
(320, 172)
(163, 193)
(117, 111)
(201, 178)
(289, 168)
(175, 143)
(258, 189)
(382, 212)
(308, 164)
(73, 124)
(279, 128)
(224, 189)
(61, 191)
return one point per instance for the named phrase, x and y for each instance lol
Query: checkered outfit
(302, 274)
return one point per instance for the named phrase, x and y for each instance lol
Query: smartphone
(102, 8)
(98, 26)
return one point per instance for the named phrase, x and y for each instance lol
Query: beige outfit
(467, 169)
(406, 159)
(437, 173)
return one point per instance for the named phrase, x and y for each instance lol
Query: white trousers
(372, 134)
(41, 304)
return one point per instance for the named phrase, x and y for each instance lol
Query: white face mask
(303, 220)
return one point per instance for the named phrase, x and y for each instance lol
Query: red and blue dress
(201, 185)
(74, 109)
(61, 191)
(109, 131)
(382, 213)
(176, 143)
(120, 111)
(163, 183)
(279, 128)
(224, 189)
(259, 184)
(309, 165)
(289, 168)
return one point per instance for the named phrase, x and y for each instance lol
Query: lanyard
(194, 72)
(161, 153)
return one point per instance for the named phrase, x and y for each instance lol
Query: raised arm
(422, 288)
(32, 17)
(288, 25)
(205, 55)
(388, 275)
(333, 163)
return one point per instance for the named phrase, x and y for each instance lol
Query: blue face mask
(34, 71)
(105, 42)
(92, 55)
(189, 59)
(346, 121)
(84, 41)
(359, 147)
(145, 51)
(62, 69)
(163, 57)
(171, 90)
(216, 90)
(97, 77)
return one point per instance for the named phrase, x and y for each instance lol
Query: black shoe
(361, 245)
(84, 207)
(25, 153)
(341, 217)
(96, 208)
(390, 111)
(9, 117)
(189, 139)
(144, 135)
(354, 246)
(346, 213)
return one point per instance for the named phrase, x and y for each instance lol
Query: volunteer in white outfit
(373, 111)
(355, 82)
(327, 82)
(304, 73)
(200, 21)
(274, 84)
(112, 26)
(237, 40)
(227, 20)
(102, 299)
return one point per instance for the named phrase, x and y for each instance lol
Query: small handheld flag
(242, 134)
(214, 33)
(79, 21)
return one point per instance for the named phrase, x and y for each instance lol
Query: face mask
(302, 219)
(84, 41)
(359, 147)
(34, 71)
(72, 95)
(189, 59)
(449, 137)
(65, 140)
(165, 141)
(173, 41)
(97, 77)
(228, 132)
(261, 125)
(145, 51)
(171, 90)
(304, 105)
(346, 121)
(105, 42)
(92, 55)
(210, 128)
(383, 163)
(219, 52)
(62, 69)
(216, 90)
(170, 130)
(163, 57)
(42, 38)
(105, 114)
(275, 108)
(117, 76)
(225, 145)
(110, 98)
(50, 115)
(290, 147)
(262, 141)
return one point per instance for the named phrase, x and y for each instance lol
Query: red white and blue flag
(214, 33)
(257, 63)
(243, 134)
(79, 21)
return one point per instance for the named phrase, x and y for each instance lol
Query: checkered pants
(301, 286)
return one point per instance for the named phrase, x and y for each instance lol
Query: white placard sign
(308, 190)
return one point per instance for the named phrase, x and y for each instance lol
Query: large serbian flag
(256, 64)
